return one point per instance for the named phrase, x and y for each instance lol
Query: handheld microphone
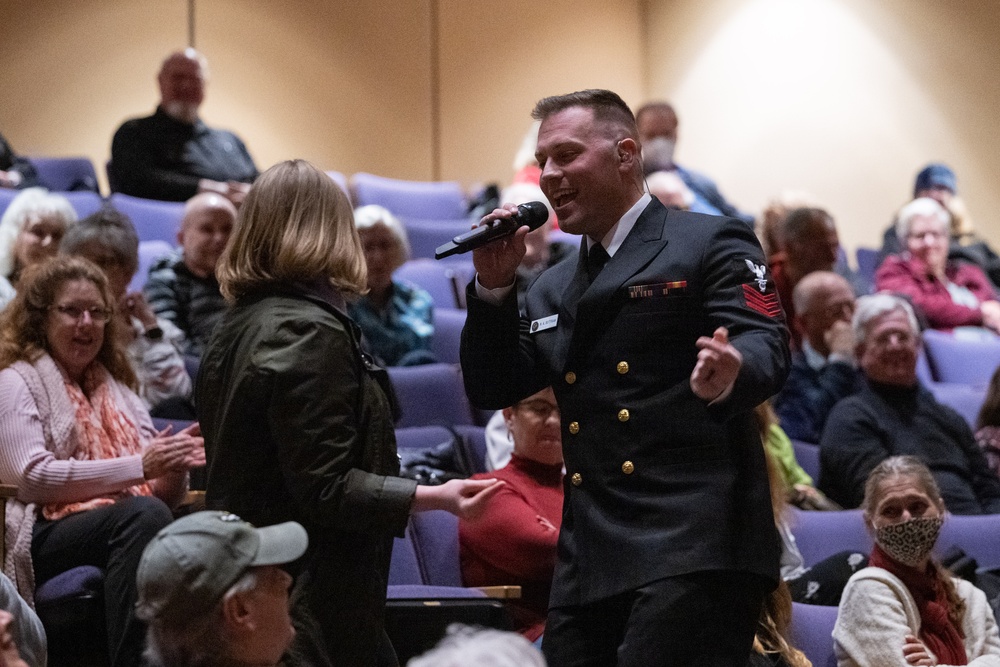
(533, 214)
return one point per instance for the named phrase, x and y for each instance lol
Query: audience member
(823, 369)
(21, 632)
(810, 243)
(988, 424)
(297, 420)
(95, 480)
(466, 646)
(182, 288)
(906, 609)
(15, 171)
(396, 317)
(771, 646)
(108, 239)
(794, 485)
(670, 189)
(892, 414)
(951, 295)
(657, 123)
(212, 592)
(772, 218)
(540, 253)
(30, 231)
(937, 181)
(172, 155)
(513, 542)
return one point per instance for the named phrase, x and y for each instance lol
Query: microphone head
(533, 214)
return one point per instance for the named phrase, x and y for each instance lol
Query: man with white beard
(657, 123)
(172, 155)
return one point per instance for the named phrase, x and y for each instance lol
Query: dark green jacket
(298, 428)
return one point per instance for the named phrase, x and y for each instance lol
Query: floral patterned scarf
(103, 432)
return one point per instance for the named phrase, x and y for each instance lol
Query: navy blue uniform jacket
(658, 482)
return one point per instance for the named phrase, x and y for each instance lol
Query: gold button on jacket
(628, 468)
(570, 377)
(623, 415)
(622, 367)
(574, 427)
(577, 479)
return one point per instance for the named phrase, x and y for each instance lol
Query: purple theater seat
(426, 235)
(437, 278)
(435, 540)
(154, 220)
(84, 203)
(822, 534)
(807, 456)
(422, 592)
(149, 253)
(419, 437)
(62, 174)
(404, 568)
(868, 261)
(431, 394)
(977, 536)
(964, 399)
(812, 632)
(474, 439)
(437, 200)
(448, 325)
(961, 360)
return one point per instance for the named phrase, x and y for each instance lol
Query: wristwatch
(153, 333)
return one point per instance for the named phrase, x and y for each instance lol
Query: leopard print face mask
(909, 542)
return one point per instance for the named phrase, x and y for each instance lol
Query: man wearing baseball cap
(213, 594)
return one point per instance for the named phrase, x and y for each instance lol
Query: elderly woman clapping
(96, 477)
(905, 609)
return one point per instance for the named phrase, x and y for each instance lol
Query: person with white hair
(395, 316)
(465, 646)
(893, 415)
(213, 592)
(30, 231)
(951, 295)
(173, 155)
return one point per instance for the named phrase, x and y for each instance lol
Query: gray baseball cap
(187, 568)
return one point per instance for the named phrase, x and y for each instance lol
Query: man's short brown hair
(606, 105)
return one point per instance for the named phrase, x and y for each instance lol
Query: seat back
(426, 235)
(84, 203)
(807, 456)
(954, 359)
(868, 261)
(421, 437)
(404, 569)
(822, 534)
(149, 253)
(62, 174)
(435, 539)
(442, 200)
(964, 399)
(977, 536)
(438, 279)
(431, 394)
(340, 180)
(448, 325)
(154, 220)
(811, 632)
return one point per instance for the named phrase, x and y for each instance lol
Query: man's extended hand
(718, 365)
(496, 263)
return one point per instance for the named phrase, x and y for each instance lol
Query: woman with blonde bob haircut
(297, 420)
(291, 228)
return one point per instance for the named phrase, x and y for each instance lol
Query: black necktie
(596, 259)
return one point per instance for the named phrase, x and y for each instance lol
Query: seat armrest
(502, 592)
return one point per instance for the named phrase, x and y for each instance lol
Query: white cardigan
(877, 612)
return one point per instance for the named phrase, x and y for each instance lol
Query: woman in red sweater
(513, 542)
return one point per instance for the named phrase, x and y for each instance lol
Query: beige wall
(843, 98)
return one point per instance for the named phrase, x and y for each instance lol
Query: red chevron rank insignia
(765, 304)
